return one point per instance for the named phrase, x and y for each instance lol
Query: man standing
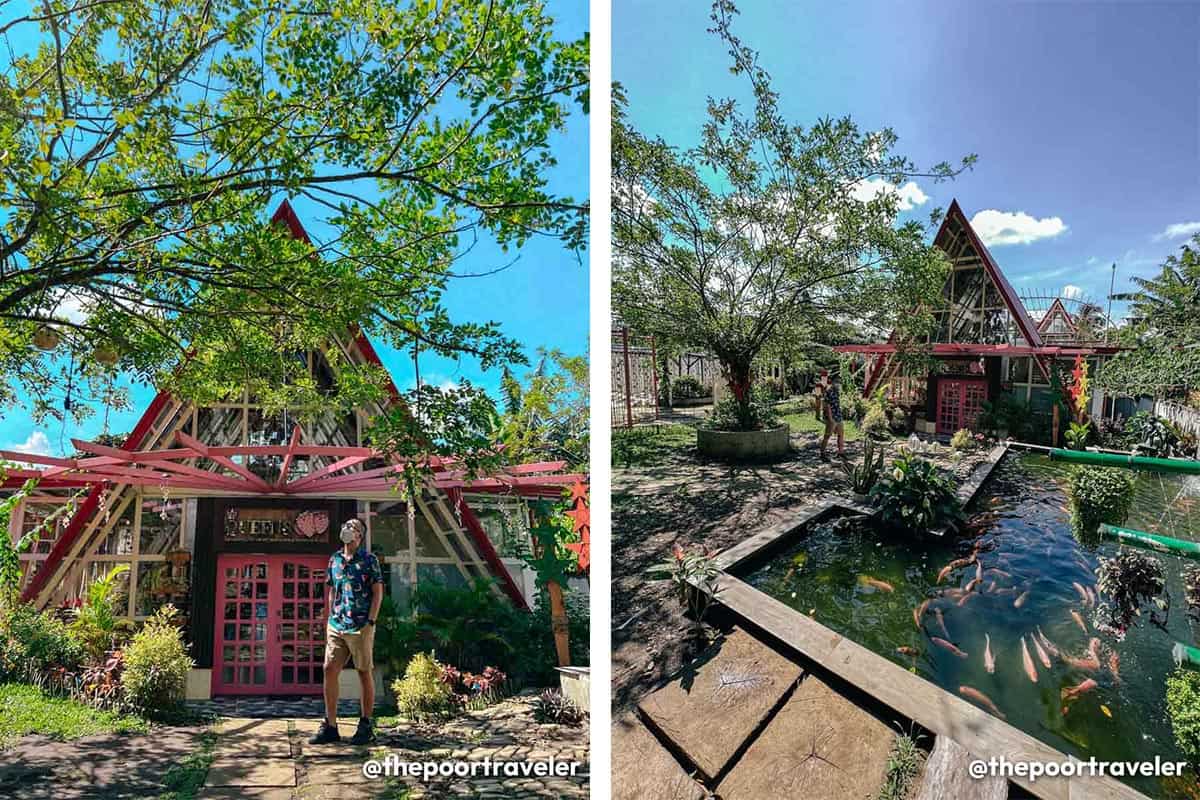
(355, 594)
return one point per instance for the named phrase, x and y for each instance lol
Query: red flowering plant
(694, 576)
(471, 689)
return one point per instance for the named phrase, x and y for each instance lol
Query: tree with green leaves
(546, 416)
(144, 144)
(1163, 331)
(766, 225)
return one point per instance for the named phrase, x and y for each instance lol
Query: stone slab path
(257, 758)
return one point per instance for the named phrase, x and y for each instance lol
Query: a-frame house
(231, 514)
(984, 343)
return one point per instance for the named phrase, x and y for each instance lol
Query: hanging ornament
(106, 354)
(46, 339)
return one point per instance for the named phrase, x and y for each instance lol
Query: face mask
(348, 536)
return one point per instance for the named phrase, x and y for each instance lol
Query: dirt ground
(679, 499)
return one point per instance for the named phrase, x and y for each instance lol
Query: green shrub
(1099, 494)
(422, 694)
(875, 423)
(726, 414)
(156, 666)
(772, 390)
(1183, 707)
(915, 496)
(687, 387)
(962, 440)
(37, 647)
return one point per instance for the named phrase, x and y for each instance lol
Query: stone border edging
(914, 697)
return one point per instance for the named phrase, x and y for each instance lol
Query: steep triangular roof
(957, 221)
(1056, 309)
(156, 431)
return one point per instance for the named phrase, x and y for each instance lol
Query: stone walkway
(259, 758)
(784, 733)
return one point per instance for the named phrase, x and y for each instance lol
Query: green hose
(1165, 544)
(1186, 655)
(1178, 466)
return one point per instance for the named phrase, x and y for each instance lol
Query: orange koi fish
(981, 698)
(948, 646)
(1030, 670)
(989, 660)
(1020, 601)
(1041, 653)
(1079, 620)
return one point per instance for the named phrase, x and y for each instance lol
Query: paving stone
(818, 745)
(253, 738)
(326, 771)
(946, 775)
(246, 793)
(233, 771)
(642, 767)
(736, 682)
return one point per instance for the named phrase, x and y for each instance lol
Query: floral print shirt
(352, 580)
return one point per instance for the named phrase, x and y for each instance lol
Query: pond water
(1021, 524)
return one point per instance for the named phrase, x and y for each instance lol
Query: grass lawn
(27, 709)
(185, 780)
(647, 445)
(806, 422)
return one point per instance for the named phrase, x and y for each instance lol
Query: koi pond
(1036, 595)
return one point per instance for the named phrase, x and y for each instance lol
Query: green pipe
(1165, 544)
(1186, 655)
(1179, 466)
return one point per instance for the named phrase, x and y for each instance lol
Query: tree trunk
(558, 622)
(737, 377)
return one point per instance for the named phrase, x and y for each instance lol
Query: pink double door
(959, 403)
(270, 624)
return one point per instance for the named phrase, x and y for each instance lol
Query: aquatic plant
(1191, 588)
(694, 576)
(864, 476)
(1127, 582)
(903, 766)
(1183, 707)
(1077, 435)
(1099, 494)
(915, 496)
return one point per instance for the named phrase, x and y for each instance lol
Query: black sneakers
(365, 733)
(327, 734)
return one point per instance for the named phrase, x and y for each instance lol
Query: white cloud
(37, 444)
(909, 195)
(1014, 227)
(1092, 260)
(1071, 291)
(1179, 229)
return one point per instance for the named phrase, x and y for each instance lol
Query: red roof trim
(1011, 299)
(987, 349)
(88, 506)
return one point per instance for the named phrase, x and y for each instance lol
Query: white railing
(1183, 417)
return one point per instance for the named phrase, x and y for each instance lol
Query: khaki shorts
(358, 645)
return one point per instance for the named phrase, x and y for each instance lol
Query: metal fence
(634, 379)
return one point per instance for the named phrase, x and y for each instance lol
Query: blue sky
(1084, 115)
(541, 300)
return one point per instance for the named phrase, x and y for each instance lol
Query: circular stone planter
(744, 445)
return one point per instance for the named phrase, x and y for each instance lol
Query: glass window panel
(155, 587)
(219, 427)
(966, 324)
(968, 288)
(995, 326)
(427, 542)
(389, 529)
(941, 327)
(398, 583)
(446, 574)
(161, 523)
(119, 540)
(1018, 369)
(991, 295)
(36, 518)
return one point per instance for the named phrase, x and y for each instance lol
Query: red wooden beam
(288, 457)
(224, 461)
(329, 469)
